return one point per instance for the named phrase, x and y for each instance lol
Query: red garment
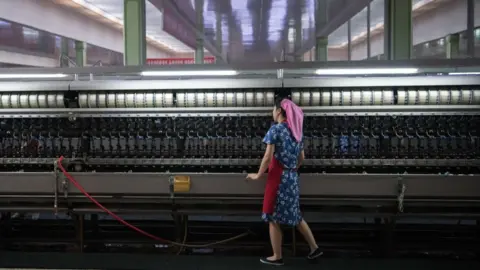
(274, 178)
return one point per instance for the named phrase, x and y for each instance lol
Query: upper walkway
(57, 19)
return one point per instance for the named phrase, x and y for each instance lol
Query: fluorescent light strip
(366, 71)
(464, 73)
(191, 73)
(31, 76)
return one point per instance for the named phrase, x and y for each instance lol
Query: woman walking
(283, 156)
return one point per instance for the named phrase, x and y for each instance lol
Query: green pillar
(200, 27)
(369, 45)
(471, 28)
(46, 42)
(321, 19)
(80, 53)
(134, 32)
(321, 49)
(453, 46)
(64, 52)
(398, 29)
(219, 34)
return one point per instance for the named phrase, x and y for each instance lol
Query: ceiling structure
(339, 38)
(113, 9)
(261, 26)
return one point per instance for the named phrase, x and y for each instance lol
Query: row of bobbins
(438, 97)
(125, 100)
(30, 101)
(225, 99)
(343, 98)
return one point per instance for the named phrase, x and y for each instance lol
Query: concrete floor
(15, 260)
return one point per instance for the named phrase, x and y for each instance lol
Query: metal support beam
(471, 28)
(453, 46)
(343, 10)
(398, 29)
(79, 220)
(134, 32)
(219, 34)
(46, 42)
(200, 27)
(298, 39)
(183, 17)
(80, 53)
(321, 20)
(369, 46)
(64, 53)
(349, 41)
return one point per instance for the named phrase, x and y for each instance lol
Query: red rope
(134, 228)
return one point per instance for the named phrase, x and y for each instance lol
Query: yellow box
(181, 183)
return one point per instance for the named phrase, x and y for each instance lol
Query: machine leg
(478, 239)
(93, 227)
(79, 231)
(389, 225)
(377, 249)
(385, 243)
(294, 241)
(180, 230)
(4, 228)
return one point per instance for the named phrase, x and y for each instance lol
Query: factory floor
(14, 260)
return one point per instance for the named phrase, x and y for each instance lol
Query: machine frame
(22, 188)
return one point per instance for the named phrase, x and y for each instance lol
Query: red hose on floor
(134, 228)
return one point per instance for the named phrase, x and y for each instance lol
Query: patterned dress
(287, 151)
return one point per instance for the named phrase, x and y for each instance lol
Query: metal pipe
(199, 54)
(369, 45)
(471, 28)
(182, 16)
(349, 45)
(219, 34)
(105, 70)
(346, 12)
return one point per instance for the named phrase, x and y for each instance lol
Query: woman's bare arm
(267, 157)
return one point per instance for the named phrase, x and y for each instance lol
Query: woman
(282, 158)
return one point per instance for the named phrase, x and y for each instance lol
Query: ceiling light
(366, 71)
(191, 73)
(31, 76)
(464, 73)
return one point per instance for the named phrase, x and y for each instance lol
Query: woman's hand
(253, 176)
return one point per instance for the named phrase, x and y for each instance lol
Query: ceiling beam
(159, 4)
(344, 14)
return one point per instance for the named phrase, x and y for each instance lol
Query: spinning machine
(383, 145)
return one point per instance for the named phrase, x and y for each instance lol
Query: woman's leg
(304, 229)
(276, 240)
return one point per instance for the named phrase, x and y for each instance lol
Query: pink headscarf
(294, 118)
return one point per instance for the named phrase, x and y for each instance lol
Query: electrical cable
(181, 249)
(133, 227)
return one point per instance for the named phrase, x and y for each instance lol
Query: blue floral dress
(287, 151)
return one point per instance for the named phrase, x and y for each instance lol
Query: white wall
(334, 54)
(434, 24)
(47, 16)
(17, 58)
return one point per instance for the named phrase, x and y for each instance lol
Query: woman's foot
(315, 254)
(273, 260)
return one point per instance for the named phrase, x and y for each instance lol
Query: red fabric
(275, 170)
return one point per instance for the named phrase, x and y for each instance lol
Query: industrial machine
(379, 147)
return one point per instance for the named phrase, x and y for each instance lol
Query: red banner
(178, 61)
